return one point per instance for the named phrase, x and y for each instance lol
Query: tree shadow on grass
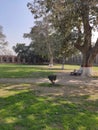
(26, 110)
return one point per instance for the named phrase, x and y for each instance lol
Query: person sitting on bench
(76, 72)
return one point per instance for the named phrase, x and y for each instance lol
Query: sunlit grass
(15, 71)
(35, 71)
(23, 108)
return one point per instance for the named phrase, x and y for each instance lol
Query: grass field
(34, 71)
(43, 106)
(15, 71)
(23, 108)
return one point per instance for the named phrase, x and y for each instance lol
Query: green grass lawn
(32, 71)
(20, 71)
(23, 108)
(35, 71)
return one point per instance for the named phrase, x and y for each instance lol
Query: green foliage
(38, 38)
(27, 54)
(74, 21)
(42, 41)
(2, 38)
(21, 49)
(52, 30)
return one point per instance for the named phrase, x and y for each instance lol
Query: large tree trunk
(87, 71)
(87, 63)
(50, 54)
(63, 62)
(89, 52)
(88, 60)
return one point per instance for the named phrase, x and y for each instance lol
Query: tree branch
(78, 42)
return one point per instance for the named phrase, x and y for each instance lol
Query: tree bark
(51, 61)
(88, 60)
(63, 62)
(87, 64)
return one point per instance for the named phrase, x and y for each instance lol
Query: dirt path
(62, 78)
(72, 86)
(76, 80)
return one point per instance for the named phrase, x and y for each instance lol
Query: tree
(44, 35)
(3, 43)
(38, 39)
(77, 16)
(26, 54)
(80, 17)
(67, 48)
(39, 11)
(44, 42)
(22, 50)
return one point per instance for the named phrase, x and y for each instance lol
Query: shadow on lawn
(28, 111)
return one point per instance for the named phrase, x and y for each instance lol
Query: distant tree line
(27, 55)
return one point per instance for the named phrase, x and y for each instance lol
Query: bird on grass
(52, 78)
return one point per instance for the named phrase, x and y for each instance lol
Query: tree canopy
(26, 54)
(75, 18)
(51, 37)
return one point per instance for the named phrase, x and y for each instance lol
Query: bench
(77, 72)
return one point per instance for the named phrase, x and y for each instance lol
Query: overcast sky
(16, 20)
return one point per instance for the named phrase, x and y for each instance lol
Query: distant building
(7, 56)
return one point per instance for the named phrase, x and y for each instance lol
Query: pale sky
(16, 20)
